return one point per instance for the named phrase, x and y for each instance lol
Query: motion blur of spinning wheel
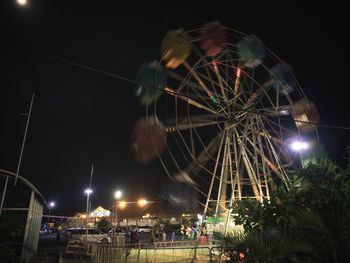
(223, 110)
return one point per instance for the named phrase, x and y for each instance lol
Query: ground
(49, 250)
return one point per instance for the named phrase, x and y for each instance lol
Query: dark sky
(81, 117)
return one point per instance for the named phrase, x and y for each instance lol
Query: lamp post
(117, 196)
(87, 192)
(299, 146)
(51, 205)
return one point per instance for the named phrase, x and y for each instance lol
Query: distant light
(122, 204)
(146, 216)
(118, 194)
(88, 191)
(22, 2)
(52, 204)
(299, 146)
(142, 202)
(284, 112)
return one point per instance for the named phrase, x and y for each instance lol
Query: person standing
(164, 236)
(182, 230)
(173, 237)
(188, 232)
(152, 237)
(136, 237)
(132, 236)
(58, 236)
(157, 235)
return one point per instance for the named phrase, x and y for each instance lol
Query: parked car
(93, 235)
(144, 229)
(119, 231)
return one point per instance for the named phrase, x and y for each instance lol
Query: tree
(103, 225)
(315, 208)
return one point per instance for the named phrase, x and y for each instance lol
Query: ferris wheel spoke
(222, 84)
(188, 100)
(249, 169)
(214, 172)
(246, 161)
(237, 82)
(207, 76)
(186, 82)
(278, 140)
(223, 174)
(213, 84)
(200, 82)
(266, 172)
(281, 145)
(200, 160)
(283, 174)
(220, 79)
(195, 118)
(273, 123)
(258, 94)
(274, 167)
(187, 126)
(181, 79)
(237, 166)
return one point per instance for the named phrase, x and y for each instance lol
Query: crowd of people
(186, 232)
(134, 236)
(193, 232)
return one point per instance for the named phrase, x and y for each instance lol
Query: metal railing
(160, 252)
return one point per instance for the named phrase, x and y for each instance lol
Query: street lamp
(51, 205)
(87, 192)
(22, 2)
(299, 146)
(117, 195)
(142, 202)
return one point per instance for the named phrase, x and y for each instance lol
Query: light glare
(142, 202)
(22, 2)
(122, 204)
(118, 194)
(88, 191)
(299, 146)
(52, 204)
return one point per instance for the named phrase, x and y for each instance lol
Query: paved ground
(51, 250)
(48, 243)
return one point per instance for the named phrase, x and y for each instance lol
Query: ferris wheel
(221, 112)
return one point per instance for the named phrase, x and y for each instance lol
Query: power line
(174, 92)
(90, 68)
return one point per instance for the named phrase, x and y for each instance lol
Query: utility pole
(88, 192)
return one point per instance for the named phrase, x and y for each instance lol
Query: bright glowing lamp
(52, 204)
(88, 191)
(118, 194)
(122, 204)
(299, 146)
(142, 202)
(22, 2)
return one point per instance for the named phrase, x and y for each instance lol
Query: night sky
(82, 117)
